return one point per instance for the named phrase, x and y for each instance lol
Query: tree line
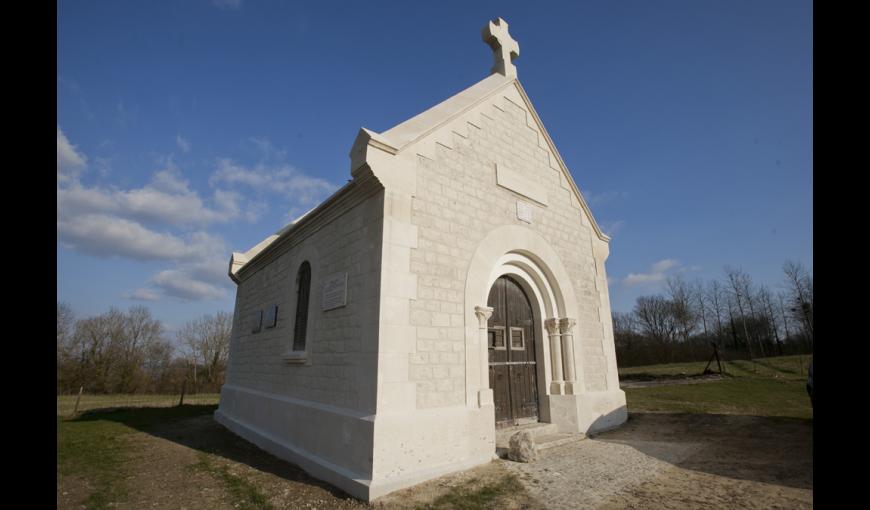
(742, 319)
(131, 352)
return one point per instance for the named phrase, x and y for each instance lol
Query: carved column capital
(552, 326)
(483, 314)
(566, 325)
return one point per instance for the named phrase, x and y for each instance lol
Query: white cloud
(212, 270)
(282, 179)
(657, 273)
(70, 161)
(142, 295)
(180, 284)
(663, 265)
(108, 236)
(166, 200)
(183, 144)
(611, 228)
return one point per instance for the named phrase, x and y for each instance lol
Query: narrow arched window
(303, 290)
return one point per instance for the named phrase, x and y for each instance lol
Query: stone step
(503, 436)
(554, 440)
(546, 435)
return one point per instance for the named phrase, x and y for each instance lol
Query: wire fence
(66, 404)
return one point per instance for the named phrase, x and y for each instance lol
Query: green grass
(245, 494)
(469, 497)
(782, 365)
(762, 387)
(94, 452)
(93, 446)
(66, 403)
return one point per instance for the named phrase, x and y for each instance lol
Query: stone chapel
(455, 286)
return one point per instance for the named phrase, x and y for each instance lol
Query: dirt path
(653, 461)
(196, 463)
(679, 461)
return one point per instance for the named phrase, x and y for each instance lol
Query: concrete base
(418, 446)
(330, 443)
(589, 412)
(336, 445)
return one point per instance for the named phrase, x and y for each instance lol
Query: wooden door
(512, 364)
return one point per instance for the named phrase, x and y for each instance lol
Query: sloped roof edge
(404, 136)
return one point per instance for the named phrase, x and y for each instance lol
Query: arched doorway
(511, 335)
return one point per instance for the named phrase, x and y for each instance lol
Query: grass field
(761, 387)
(106, 457)
(93, 448)
(66, 403)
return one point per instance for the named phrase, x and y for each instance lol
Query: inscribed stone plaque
(524, 211)
(257, 321)
(272, 316)
(519, 183)
(334, 292)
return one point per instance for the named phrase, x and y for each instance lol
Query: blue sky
(191, 129)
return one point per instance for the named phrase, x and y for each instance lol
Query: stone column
(557, 384)
(484, 396)
(565, 326)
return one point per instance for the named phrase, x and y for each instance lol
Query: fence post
(76, 409)
(183, 386)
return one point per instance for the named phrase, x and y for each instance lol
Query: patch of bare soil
(677, 461)
(487, 486)
(162, 474)
(72, 491)
(191, 443)
(652, 461)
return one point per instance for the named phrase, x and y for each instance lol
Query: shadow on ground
(771, 450)
(194, 426)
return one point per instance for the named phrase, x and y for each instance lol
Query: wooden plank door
(512, 362)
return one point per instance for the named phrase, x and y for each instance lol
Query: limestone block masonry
(393, 388)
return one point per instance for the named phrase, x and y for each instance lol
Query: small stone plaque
(257, 321)
(272, 316)
(334, 292)
(524, 211)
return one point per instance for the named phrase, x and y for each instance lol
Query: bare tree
(781, 297)
(717, 303)
(681, 304)
(206, 341)
(65, 325)
(107, 353)
(738, 290)
(624, 329)
(800, 285)
(697, 290)
(655, 315)
(770, 317)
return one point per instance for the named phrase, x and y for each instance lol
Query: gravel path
(588, 473)
(678, 461)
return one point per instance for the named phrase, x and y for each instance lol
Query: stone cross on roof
(504, 48)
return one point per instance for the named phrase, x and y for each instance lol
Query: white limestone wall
(457, 203)
(442, 200)
(315, 411)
